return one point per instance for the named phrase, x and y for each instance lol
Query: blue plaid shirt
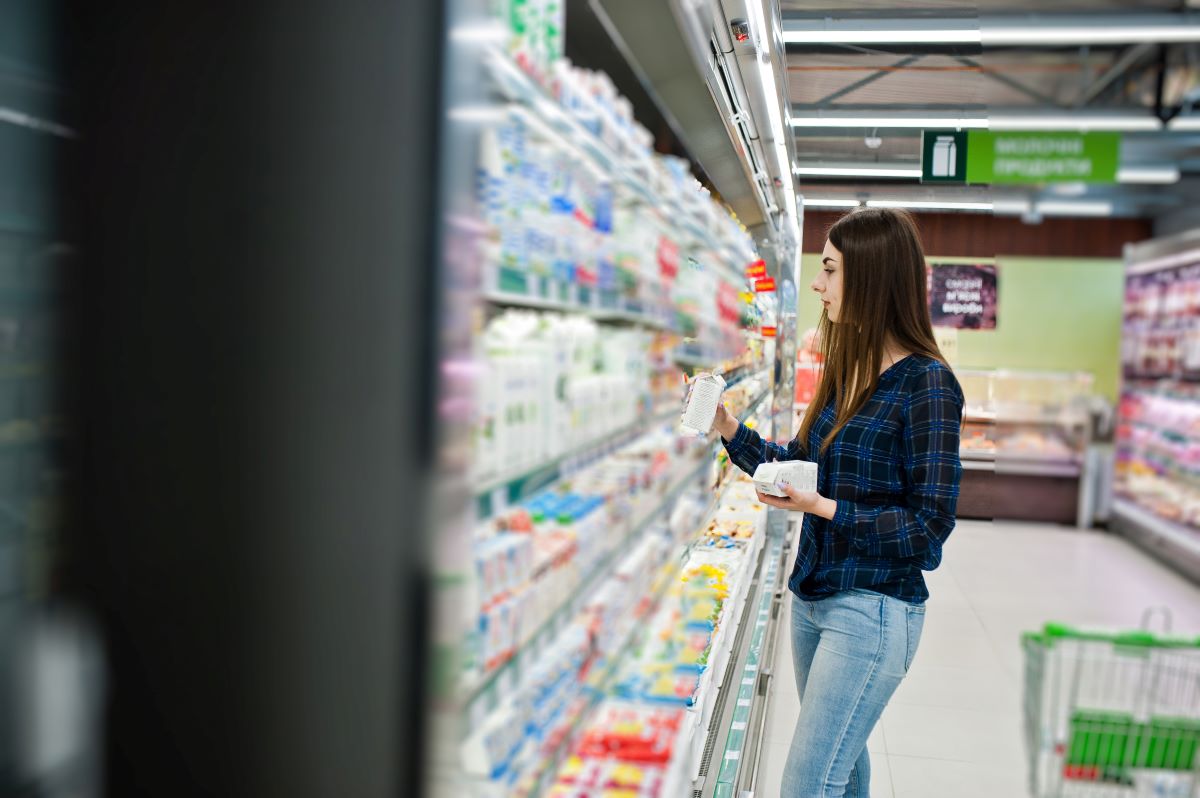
(894, 472)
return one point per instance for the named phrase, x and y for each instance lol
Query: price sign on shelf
(764, 285)
(768, 332)
(756, 269)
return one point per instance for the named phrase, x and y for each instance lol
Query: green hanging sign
(1019, 158)
(1031, 158)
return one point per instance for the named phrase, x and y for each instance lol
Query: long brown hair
(883, 291)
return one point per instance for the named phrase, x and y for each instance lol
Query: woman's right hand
(725, 423)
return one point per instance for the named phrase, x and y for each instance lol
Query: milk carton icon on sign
(945, 157)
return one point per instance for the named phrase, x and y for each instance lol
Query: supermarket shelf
(517, 483)
(745, 374)
(618, 656)
(517, 86)
(978, 465)
(514, 300)
(1175, 544)
(481, 684)
(977, 456)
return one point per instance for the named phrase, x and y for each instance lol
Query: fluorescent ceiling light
(830, 202)
(1076, 122)
(948, 36)
(857, 171)
(1164, 28)
(1074, 208)
(1139, 122)
(1011, 207)
(1148, 174)
(1096, 34)
(1184, 123)
(889, 121)
(931, 205)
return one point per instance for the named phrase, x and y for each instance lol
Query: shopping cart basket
(1112, 713)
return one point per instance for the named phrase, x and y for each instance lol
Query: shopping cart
(1112, 714)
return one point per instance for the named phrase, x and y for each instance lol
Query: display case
(1157, 474)
(1024, 445)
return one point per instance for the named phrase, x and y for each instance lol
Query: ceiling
(973, 80)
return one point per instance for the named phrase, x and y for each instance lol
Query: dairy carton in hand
(772, 478)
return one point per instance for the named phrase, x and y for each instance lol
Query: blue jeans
(850, 652)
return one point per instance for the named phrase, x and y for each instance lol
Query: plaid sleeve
(917, 530)
(748, 450)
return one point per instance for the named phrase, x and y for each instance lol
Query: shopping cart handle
(1166, 615)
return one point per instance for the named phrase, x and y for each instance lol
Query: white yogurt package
(772, 478)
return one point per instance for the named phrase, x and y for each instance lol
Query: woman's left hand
(801, 502)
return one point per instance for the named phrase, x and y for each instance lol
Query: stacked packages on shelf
(515, 739)
(1158, 456)
(1161, 336)
(559, 230)
(645, 740)
(530, 560)
(550, 383)
(1158, 431)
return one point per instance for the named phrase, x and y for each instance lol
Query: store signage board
(1031, 158)
(944, 156)
(962, 295)
(1019, 157)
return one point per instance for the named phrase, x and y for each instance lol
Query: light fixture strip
(857, 171)
(1141, 122)
(931, 205)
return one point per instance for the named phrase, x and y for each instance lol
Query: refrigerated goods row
(580, 597)
(1161, 335)
(1157, 468)
(1158, 455)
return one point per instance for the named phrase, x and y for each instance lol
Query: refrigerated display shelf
(519, 485)
(1176, 544)
(683, 754)
(517, 86)
(602, 314)
(483, 685)
(694, 731)
(678, 555)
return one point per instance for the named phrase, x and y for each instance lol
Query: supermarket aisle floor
(953, 728)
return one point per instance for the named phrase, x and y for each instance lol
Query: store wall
(1061, 314)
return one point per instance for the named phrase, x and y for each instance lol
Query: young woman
(884, 431)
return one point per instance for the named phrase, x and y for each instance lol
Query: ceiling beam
(1131, 56)
(1012, 83)
(868, 80)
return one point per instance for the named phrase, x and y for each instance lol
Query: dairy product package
(771, 478)
(701, 408)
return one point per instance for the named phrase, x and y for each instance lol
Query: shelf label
(764, 285)
(756, 269)
(769, 332)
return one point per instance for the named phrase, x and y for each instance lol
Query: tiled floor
(953, 729)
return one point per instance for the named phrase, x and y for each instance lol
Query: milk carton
(702, 404)
(772, 478)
